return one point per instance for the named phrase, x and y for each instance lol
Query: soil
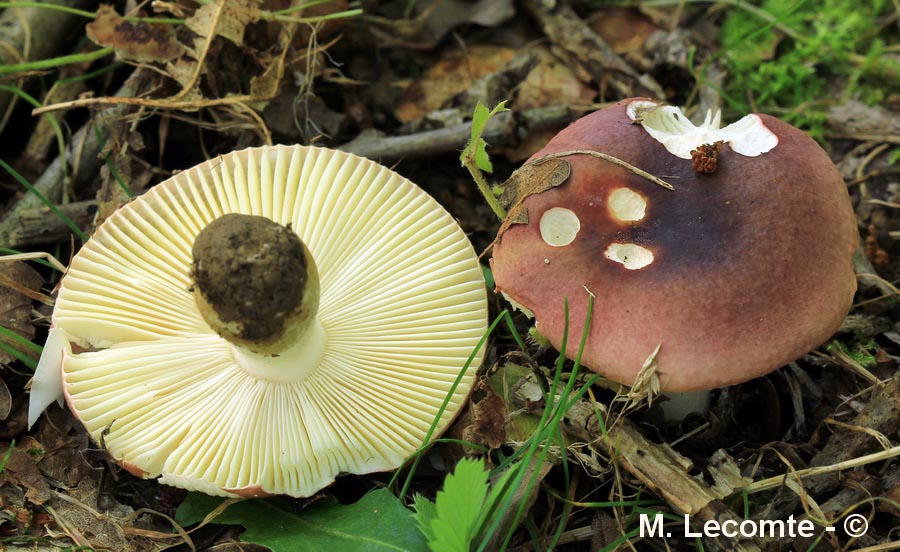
(252, 272)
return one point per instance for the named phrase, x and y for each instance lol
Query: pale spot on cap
(559, 226)
(627, 205)
(631, 255)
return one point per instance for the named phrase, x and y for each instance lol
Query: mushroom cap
(402, 310)
(734, 273)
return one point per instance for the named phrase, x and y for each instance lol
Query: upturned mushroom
(265, 321)
(744, 266)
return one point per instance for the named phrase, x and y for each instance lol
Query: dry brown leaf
(15, 306)
(489, 425)
(891, 504)
(447, 77)
(530, 179)
(134, 41)
(5, 400)
(227, 19)
(551, 82)
(182, 70)
(21, 470)
(624, 29)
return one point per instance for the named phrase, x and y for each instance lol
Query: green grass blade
(6, 332)
(18, 355)
(8, 455)
(51, 63)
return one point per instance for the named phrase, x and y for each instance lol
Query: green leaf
(425, 512)
(377, 522)
(458, 506)
(475, 149)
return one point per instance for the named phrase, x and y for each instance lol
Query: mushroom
(743, 267)
(265, 321)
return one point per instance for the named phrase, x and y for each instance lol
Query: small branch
(164, 103)
(41, 226)
(504, 130)
(611, 159)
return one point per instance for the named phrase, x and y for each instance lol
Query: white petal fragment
(670, 127)
(46, 384)
(559, 226)
(631, 255)
(626, 205)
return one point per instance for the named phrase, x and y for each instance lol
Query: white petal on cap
(669, 126)
(403, 306)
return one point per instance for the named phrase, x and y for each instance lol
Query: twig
(864, 137)
(503, 130)
(165, 103)
(611, 159)
(41, 226)
(53, 261)
(778, 480)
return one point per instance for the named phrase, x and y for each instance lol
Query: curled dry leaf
(530, 179)
(488, 426)
(134, 41)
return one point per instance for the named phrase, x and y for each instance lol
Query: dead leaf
(21, 470)
(856, 118)
(227, 19)
(134, 41)
(453, 73)
(552, 82)
(892, 499)
(5, 400)
(449, 14)
(488, 425)
(624, 29)
(15, 303)
(530, 179)
(436, 19)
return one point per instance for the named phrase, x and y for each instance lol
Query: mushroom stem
(678, 406)
(255, 283)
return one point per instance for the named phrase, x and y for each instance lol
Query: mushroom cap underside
(402, 307)
(734, 273)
